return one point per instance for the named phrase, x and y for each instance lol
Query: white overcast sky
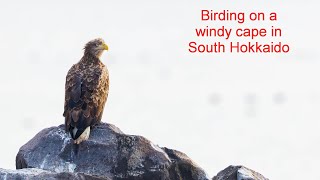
(261, 111)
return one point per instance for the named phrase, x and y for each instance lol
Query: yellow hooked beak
(105, 47)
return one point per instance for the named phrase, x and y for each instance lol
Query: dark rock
(108, 153)
(36, 174)
(238, 173)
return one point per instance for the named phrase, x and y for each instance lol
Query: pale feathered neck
(88, 57)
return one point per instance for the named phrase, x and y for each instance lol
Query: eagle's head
(95, 47)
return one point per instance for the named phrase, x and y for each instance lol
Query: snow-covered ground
(261, 111)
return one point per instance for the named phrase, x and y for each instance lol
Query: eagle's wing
(85, 96)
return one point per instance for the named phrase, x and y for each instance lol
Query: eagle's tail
(78, 125)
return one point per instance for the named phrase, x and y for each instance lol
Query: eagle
(86, 92)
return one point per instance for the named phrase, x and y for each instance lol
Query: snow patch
(65, 167)
(65, 142)
(44, 161)
(157, 148)
(244, 173)
(24, 171)
(135, 173)
(61, 133)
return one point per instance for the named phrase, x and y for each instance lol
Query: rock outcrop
(238, 173)
(108, 154)
(37, 174)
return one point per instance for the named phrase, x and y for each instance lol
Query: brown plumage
(86, 92)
